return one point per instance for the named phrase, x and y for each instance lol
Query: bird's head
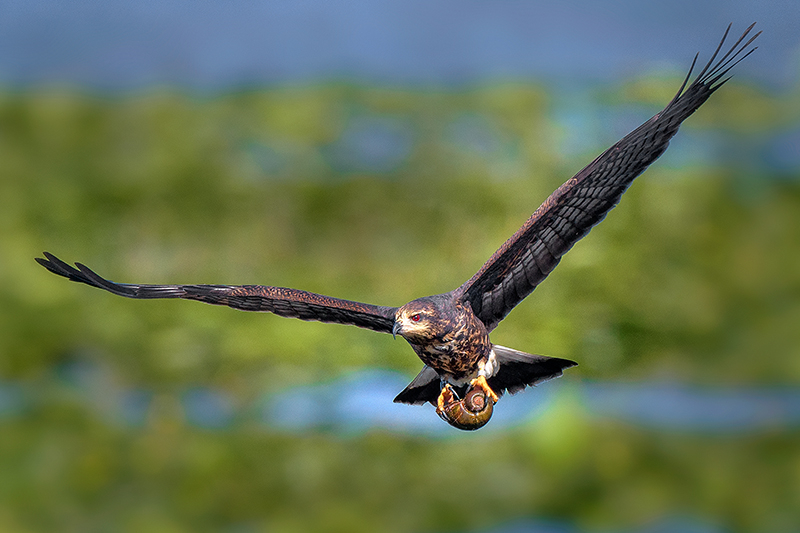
(421, 321)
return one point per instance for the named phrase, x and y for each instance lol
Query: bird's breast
(459, 351)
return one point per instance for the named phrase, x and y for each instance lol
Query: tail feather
(517, 370)
(425, 388)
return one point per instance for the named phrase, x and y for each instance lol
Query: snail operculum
(469, 413)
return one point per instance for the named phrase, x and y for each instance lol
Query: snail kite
(450, 332)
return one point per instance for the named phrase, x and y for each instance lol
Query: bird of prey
(450, 332)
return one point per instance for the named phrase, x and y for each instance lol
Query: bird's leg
(480, 383)
(446, 397)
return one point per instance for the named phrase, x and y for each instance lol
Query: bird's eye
(415, 317)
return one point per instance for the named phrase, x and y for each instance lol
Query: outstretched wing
(525, 259)
(281, 301)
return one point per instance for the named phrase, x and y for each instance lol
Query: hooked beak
(398, 326)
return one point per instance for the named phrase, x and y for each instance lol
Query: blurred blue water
(673, 524)
(361, 401)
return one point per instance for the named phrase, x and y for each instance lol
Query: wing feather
(525, 259)
(281, 301)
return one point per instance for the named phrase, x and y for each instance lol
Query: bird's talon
(480, 383)
(446, 398)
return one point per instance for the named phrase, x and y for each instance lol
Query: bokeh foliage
(381, 195)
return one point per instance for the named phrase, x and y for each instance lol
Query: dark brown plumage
(450, 332)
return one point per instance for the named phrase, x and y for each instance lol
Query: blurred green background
(167, 416)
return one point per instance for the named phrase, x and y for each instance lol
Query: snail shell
(470, 413)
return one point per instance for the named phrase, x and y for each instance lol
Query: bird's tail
(425, 388)
(517, 370)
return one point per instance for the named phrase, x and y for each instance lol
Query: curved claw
(470, 413)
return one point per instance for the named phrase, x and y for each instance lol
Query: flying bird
(464, 372)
